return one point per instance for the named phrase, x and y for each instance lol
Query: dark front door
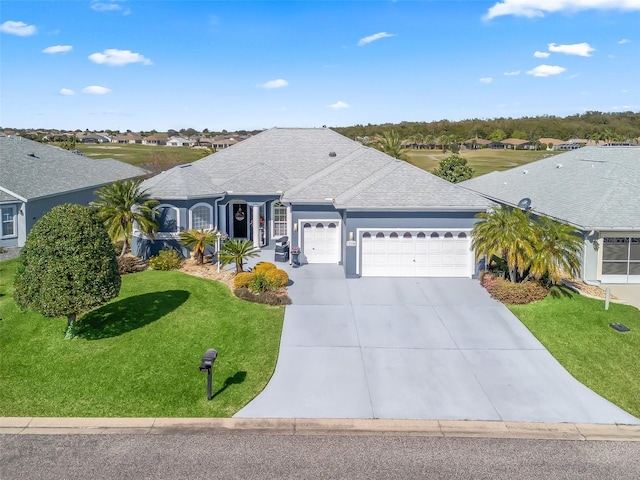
(240, 220)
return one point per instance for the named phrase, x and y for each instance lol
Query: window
(621, 256)
(201, 216)
(279, 220)
(9, 222)
(168, 218)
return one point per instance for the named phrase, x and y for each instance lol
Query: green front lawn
(138, 355)
(577, 333)
(136, 154)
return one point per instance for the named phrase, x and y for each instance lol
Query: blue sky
(126, 64)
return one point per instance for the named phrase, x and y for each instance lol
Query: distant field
(483, 161)
(140, 154)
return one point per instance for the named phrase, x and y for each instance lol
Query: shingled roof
(31, 170)
(313, 165)
(592, 188)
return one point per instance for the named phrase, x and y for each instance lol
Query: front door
(240, 220)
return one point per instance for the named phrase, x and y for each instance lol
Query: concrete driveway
(415, 348)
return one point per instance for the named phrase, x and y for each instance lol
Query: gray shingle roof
(312, 165)
(33, 170)
(593, 188)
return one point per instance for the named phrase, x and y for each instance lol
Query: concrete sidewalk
(296, 426)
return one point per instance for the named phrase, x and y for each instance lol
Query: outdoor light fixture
(350, 236)
(206, 365)
(295, 227)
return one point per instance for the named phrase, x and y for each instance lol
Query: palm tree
(557, 250)
(506, 233)
(237, 251)
(198, 241)
(391, 144)
(122, 204)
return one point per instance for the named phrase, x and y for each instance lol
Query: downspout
(215, 207)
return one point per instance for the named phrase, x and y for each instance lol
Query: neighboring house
(92, 138)
(221, 143)
(339, 201)
(127, 138)
(179, 142)
(476, 143)
(551, 143)
(35, 177)
(595, 189)
(154, 140)
(514, 143)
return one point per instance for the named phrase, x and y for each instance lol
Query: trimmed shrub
(165, 260)
(516, 293)
(263, 267)
(130, 264)
(242, 279)
(277, 277)
(260, 283)
(268, 297)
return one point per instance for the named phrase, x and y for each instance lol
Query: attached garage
(321, 241)
(416, 253)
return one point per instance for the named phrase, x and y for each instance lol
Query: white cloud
(67, 91)
(624, 40)
(581, 49)
(96, 90)
(115, 57)
(277, 83)
(20, 29)
(538, 8)
(539, 54)
(512, 74)
(486, 80)
(58, 49)
(109, 6)
(546, 71)
(374, 37)
(338, 105)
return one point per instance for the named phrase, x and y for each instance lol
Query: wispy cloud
(539, 54)
(96, 90)
(277, 83)
(581, 49)
(118, 58)
(20, 29)
(512, 74)
(486, 80)
(624, 40)
(546, 70)
(538, 8)
(58, 49)
(338, 105)
(109, 6)
(66, 91)
(374, 37)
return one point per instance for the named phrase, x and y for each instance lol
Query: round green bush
(277, 277)
(263, 267)
(165, 260)
(242, 279)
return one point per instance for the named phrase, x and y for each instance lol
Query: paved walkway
(415, 348)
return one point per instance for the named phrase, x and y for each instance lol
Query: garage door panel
(321, 241)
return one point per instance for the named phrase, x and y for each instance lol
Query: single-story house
(551, 143)
(127, 138)
(476, 143)
(154, 140)
(35, 177)
(514, 143)
(339, 201)
(180, 142)
(594, 189)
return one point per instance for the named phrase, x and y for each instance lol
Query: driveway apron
(415, 348)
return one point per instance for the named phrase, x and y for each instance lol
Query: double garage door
(412, 253)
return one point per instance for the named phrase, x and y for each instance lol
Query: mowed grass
(136, 154)
(576, 332)
(138, 355)
(482, 160)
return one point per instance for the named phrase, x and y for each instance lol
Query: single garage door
(412, 253)
(321, 241)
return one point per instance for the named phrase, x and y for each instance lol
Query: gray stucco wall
(589, 258)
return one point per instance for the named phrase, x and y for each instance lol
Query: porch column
(290, 229)
(255, 219)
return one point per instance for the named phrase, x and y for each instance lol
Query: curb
(303, 426)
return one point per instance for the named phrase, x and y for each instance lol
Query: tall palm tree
(558, 247)
(122, 204)
(198, 241)
(391, 144)
(506, 233)
(237, 251)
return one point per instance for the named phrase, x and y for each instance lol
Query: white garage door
(321, 241)
(407, 253)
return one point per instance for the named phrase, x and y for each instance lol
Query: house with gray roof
(35, 177)
(595, 189)
(339, 201)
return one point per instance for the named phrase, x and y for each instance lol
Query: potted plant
(295, 255)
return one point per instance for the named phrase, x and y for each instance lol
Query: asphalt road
(261, 456)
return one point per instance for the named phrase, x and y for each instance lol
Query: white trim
(14, 219)
(337, 221)
(201, 204)
(272, 222)
(168, 205)
(440, 231)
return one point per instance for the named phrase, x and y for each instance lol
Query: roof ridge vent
(332, 154)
